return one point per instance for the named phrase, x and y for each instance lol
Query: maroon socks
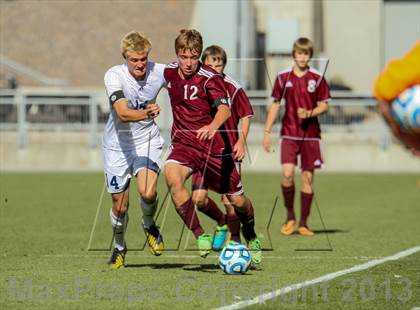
(305, 207)
(289, 196)
(189, 216)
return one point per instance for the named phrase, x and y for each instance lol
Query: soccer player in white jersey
(132, 144)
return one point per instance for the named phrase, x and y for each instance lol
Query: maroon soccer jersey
(300, 92)
(240, 108)
(194, 103)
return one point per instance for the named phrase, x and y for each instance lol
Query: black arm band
(115, 96)
(224, 101)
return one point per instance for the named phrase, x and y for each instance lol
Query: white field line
(287, 289)
(96, 217)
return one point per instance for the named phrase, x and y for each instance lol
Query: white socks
(149, 211)
(119, 225)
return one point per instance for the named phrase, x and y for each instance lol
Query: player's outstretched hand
(410, 139)
(267, 141)
(206, 132)
(238, 151)
(152, 110)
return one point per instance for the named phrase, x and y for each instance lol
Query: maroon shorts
(199, 182)
(217, 173)
(308, 150)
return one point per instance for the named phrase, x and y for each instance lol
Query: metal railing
(50, 109)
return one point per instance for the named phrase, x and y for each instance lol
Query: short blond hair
(189, 39)
(304, 45)
(135, 41)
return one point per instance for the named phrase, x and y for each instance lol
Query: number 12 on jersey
(190, 90)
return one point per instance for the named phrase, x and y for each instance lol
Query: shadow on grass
(327, 231)
(187, 267)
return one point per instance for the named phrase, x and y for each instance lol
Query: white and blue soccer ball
(235, 259)
(406, 108)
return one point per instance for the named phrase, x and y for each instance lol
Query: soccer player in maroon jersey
(200, 106)
(241, 110)
(306, 95)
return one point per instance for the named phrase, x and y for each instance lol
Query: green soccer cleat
(219, 237)
(117, 259)
(231, 242)
(256, 252)
(204, 245)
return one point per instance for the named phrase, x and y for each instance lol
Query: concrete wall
(352, 36)
(79, 40)
(353, 41)
(401, 27)
(231, 25)
(302, 9)
(279, 10)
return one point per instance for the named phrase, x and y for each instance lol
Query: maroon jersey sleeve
(323, 91)
(242, 105)
(166, 74)
(216, 91)
(277, 89)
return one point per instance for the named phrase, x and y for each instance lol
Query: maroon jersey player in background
(241, 111)
(306, 94)
(200, 106)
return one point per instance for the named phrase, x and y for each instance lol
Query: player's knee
(306, 178)
(148, 196)
(307, 183)
(171, 183)
(199, 200)
(237, 201)
(226, 201)
(288, 176)
(230, 210)
(175, 188)
(200, 204)
(120, 206)
(287, 180)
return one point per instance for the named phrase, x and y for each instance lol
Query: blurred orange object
(398, 75)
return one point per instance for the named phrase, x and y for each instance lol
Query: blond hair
(135, 41)
(189, 39)
(216, 52)
(303, 45)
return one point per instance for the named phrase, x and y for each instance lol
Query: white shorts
(121, 166)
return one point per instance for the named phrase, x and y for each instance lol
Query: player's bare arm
(129, 115)
(410, 139)
(239, 147)
(273, 111)
(207, 132)
(320, 109)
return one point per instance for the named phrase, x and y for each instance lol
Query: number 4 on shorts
(113, 182)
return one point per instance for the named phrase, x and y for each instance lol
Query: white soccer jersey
(131, 135)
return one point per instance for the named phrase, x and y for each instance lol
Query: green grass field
(47, 219)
